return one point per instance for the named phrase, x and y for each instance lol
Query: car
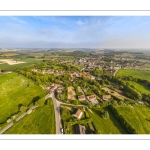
(62, 130)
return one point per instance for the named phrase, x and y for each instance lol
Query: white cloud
(18, 20)
(79, 22)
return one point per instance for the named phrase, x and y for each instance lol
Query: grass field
(40, 121)
(141, 74)
(15, 92)
(137, 116)
(5, 77)
(28, 61)
(139, 87)
(106, 126)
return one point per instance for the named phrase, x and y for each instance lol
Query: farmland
(16, 92)
(140, 87)
(40, 121)
(5, 77)
(106, 126)
(140, 74)
(138, 117)
(28, 61)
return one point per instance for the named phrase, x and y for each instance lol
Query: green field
(16, 92)
(139, 87)
(28, 61)
(40, 121)
(5, 77)
(141, 74)
(106, 126)
(137, 116)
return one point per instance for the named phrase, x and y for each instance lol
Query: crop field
(27, 62)
(9, 54)
(40, 121)
(106, 126)
(141, 74)
(137, 116)
(71, 93)
(5, 77)
(139, 87)
(15, 92)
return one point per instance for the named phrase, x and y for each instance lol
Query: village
(81, 87)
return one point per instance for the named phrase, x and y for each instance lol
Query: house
(34, 70)
(78, 114)
(59, 90)
(91, 97)
(82, 97)
(80, 129)
(105, 97)
(93, 77)
(119, 91)
(53, 87)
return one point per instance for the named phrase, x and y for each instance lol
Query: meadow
(16, 92)
(106, 126)
(141, 74)
(142, 88)
(40, 121)
(138, 117)
(5, 77)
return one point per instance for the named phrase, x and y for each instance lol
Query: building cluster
(53, 87)
(49, 71)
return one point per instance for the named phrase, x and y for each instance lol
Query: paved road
(116, 72)
(57, 112)
(57, 105)
(16, 120)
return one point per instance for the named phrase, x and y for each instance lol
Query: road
(16, 120)
(57, 112)
(116, 72)
(57, 105)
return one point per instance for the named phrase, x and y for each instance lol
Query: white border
(74, 13)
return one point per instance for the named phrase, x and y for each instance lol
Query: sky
(74, 31)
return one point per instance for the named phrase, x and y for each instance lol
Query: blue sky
(75, 31)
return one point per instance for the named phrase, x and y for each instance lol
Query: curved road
(57, 105)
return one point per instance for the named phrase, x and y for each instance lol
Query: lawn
(5, 77)
(40, 121)
(15, 92)
(106, 126)
(139, 87)
(137, 116)
(141, 74)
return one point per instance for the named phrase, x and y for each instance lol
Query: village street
(57, 105)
